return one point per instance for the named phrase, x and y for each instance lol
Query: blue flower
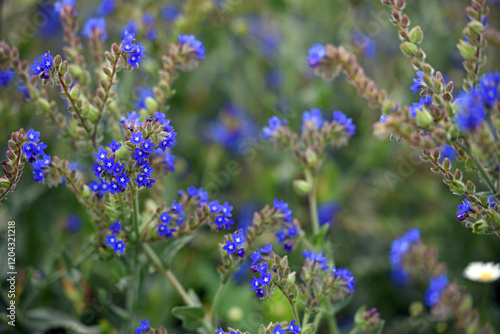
(137, 138)
(220, 220)
(260, 293)
(215, 207)
(169, 12)
(132, 117)
(101, 155)
(316, 257)
(142, 94)
(447, 151)
(464, 207)
(168, 141)
(436, 287)
(106, 7)
(194, 43)
(239, 239)
(104, 187)
(489, 84)
(95, 27)
(111, 240)
(143, 327)
(118, 169)
(399, 247)
(147, 170)
(274, 123)
(327, 213)
(119, 247)
(164, 231)
(114, 146)
(148, 146)
(240, 252)
(47, 61)
(364, 42)
(226, 209)
(37, 68)
(255, 283)
(230, 247)
(114, 187)
(265, 279)
(491, 201)
(262, 268)
(6, 77)
(292, 231)
(116, 227)
(127, 44)
(278, 330)
(33, 136)
(42, 163)
(122, 180)
(139, 155)
(131, 27)
(256, 257)
(292, 328)
(108, 165)
(38, 175)
(39, 148)
(136, 56)
(316, 53)
(220, 331)
(267, 248)
(94, 186)
(418, 82)
(341, 118)
(313, 117)
(169, 160)
(281, 235)
(29, 149)
(141, 180)
(58, 5)
(471, 110)
(347, 275)
(283, 207)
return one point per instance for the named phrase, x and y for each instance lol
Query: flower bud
(416, 35)
(408, 49)
(466, 50)
(424, 118)
(481, 226)
(75, 92)
(476, 26)
(151, 104)
(302, 187)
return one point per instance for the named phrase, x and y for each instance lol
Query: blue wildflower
(38, 175)
(137, 138)
(194, 43)
(255, 283)
(256, 257)
(230, 247)
(169, 160)
(143, 327)
(436, 287)
(418, 82)
(293, 328)
(106, 7)
(58, 5)
(33, 136)
(447, 151)
(127, 44)
(283, 207)
(341, 118)
(95, 27)
(267, 248)
(364, 42)
(101, 155)
(316, 257)
(116, 227)
(111, 240)
(489, 84)
(136, 56)
(114, 146)
(491, 201)
(37, 68)
(108, 165)
(347, 275)
(164, 231)
(274, 123)
(6, 77)
(313, 117)
(94, 186)
(114, 187)
(278, 330)
(122, 180)
(131, 27)
(464, 207)
(142, 94)
(169, 12)
(316, 53)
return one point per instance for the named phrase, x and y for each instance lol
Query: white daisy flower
(482, 272)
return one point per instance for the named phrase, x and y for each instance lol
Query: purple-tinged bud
(254, 268)
(44, 75)
(240, 252)
(461, 217)
(288, 246)
(260, 293)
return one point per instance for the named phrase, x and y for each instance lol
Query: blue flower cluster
(346, 275)
(316, 257)
(473, 104)
(148, 24)
(143, 327)
(199, 193)
(6, 77)
(43, 65)
(236, 244)
(175, 212)
(274, 123)
(107, 168)
(288, 232)
(136, 50)
(32, 150)
(106, 7)
(399, 247)
(364, 43)
(190, 40)
(313, 119)
(223, 218)
(340, 117)
(259, 284)
(95, 27)
(232, 129)
(112, 240)
(420, 105)
(436, 287)
(59, 5)
(316, 53)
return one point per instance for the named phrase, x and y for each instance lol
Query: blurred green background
(256, 64)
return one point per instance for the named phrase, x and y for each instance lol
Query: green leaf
(191, 316)
(42, 319)
(171, 250)
(308, 329)
(319, 239)
(358, 317)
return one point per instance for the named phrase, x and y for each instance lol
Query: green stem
(306, 318)
(134, 297)
(217, 299)
(332, 322)
(313, 204)
(170, 276)
(317, 321)
(485, 303)
(479, 166)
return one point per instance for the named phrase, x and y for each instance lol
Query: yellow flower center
(486, 276)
